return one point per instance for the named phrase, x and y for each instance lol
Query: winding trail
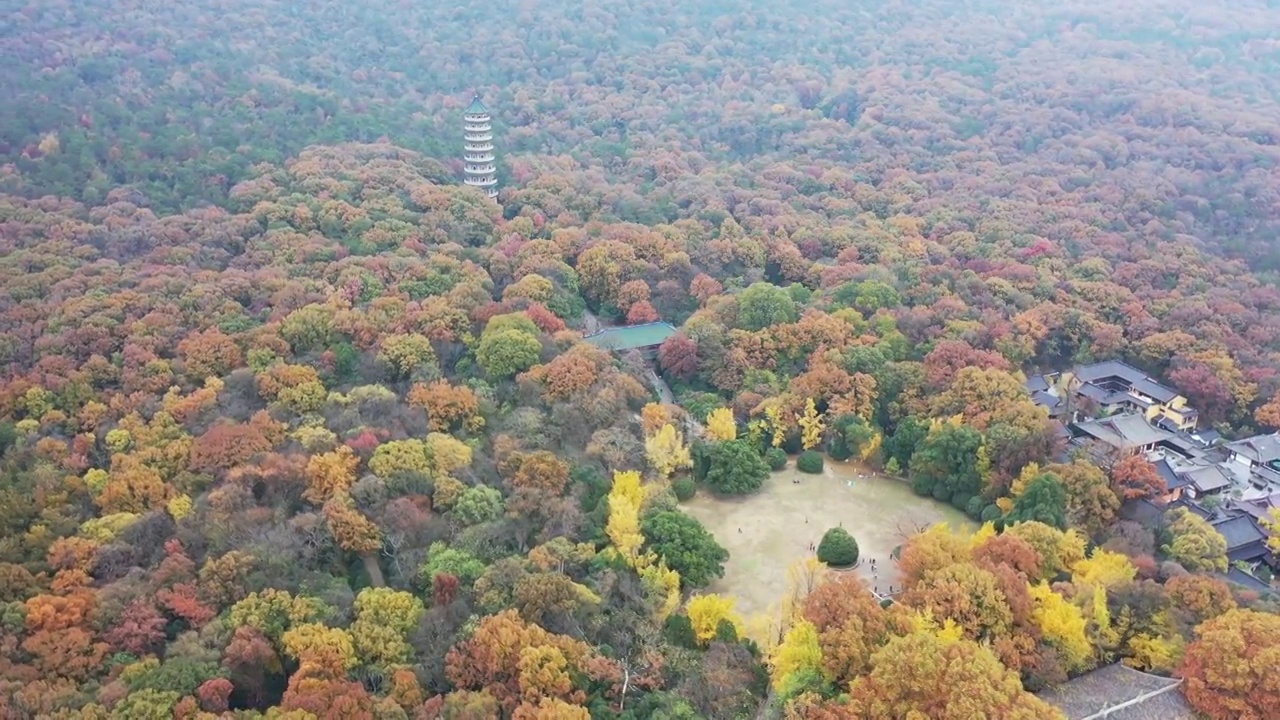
(693, 427)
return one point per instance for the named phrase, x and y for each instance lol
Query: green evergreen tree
(734, 468)
(838, 548)
(1043, 500)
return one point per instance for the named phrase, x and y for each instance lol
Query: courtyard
(768, 531)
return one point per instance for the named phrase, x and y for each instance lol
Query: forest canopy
(293, 423)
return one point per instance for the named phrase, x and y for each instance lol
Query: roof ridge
(1107, 709)
(637, 325)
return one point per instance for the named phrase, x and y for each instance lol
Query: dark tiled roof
(1036, 383)
(1184, 437)
(1247, 581)
(1136, 378)
(1044, 399)
(1252, 552)
(1122, 692)
(1125, 431)
(1194, 508)
(1153, 389)
(1265, 475)
(1246, 540)
(1259, 448)
(1260, 508)
(1208, 479)
(1109, 368)
(1184, 446)
(1172, 480)
(1087, 447)
(1206, 437)
(476, 107)
(1095, 393)
(1240, 531)
(1168, 705)
(1142, 511)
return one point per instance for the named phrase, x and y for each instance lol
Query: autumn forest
(295, 424)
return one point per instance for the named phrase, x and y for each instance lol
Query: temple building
(478, 149)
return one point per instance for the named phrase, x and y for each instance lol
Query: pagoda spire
(478, 148)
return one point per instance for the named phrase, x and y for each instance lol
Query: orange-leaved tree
(515, 661)
(933, 675)
(1230, 670)
(1134, 478)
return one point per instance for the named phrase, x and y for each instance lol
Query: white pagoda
(478, 150)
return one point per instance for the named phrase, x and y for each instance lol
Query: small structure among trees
(1119, 689)
(645, 337)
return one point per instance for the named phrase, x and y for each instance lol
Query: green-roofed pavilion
(476, 107)
(632, 337)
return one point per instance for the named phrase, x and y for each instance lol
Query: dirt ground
(768, 531)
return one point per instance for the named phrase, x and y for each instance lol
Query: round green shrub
(775, 458)
(974, 508)
(810, 461)
(684, 488)
(838, 548)
(960, 501)
(991, 513)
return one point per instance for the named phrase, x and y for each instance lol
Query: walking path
(590, 323)
(693, 427)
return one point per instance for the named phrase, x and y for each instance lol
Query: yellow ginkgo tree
(623, 526)
(776, 424)
(1063, 626)
(667, 451)
(721, 425)
(626, 499)
(798, 652)
(706, 612)
(811, 425)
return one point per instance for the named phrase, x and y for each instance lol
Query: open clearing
(778, 523)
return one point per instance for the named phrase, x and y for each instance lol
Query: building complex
(1112, 410)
